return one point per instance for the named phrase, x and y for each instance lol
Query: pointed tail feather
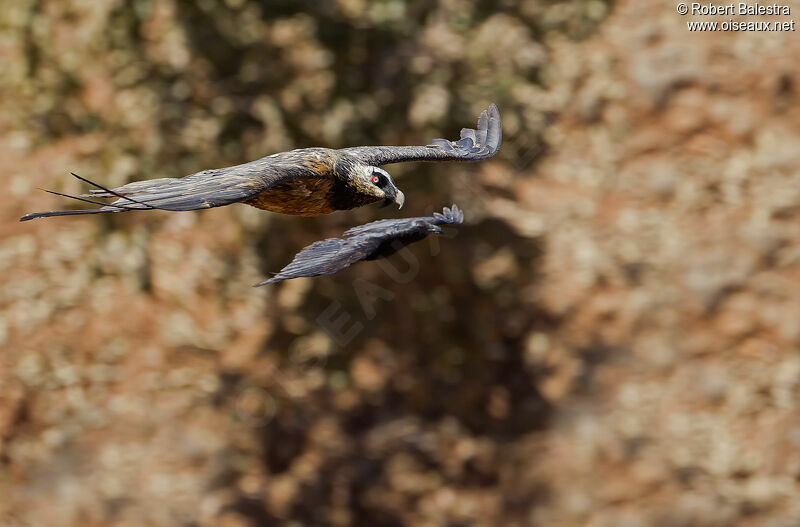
(104, 207)
(34, 215)
(276, 278)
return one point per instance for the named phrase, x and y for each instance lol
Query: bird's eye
(376, 179)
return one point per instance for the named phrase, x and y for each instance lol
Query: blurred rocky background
(610, 340)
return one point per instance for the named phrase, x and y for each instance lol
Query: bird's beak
(397, 197)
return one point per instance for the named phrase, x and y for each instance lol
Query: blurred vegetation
(171, 87)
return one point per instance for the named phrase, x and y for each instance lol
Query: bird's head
(377, 182)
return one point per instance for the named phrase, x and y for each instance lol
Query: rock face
(612, 338)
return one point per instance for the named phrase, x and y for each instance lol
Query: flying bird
(304, 182)
(366, 242)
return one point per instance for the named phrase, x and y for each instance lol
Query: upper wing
(474, 145)
(206, 189)
(380, 227)
(326, 257)
(392, 228)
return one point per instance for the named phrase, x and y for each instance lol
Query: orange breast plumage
(301, 197)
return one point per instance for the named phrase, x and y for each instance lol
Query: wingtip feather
(483, 121)
(494, 133)
(452, 215)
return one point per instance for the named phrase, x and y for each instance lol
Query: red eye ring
(375, 179)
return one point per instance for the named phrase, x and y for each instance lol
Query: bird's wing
(326, 257)
(363, 242)
(206, 189)
(396, 227)
(380, 226)
(474, 145)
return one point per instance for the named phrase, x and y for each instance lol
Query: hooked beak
(398, 197)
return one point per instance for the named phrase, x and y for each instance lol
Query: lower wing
(325, 257)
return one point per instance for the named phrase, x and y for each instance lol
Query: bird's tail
(34, 215)
(124, 203)
(202, 190)
(118, 206)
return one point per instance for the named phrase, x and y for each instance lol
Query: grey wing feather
(469, 133)
(375, 226)
(452, 216)
(474, 145)
(203, 190)
(325, 257)
(334, 254)
(389, 228)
